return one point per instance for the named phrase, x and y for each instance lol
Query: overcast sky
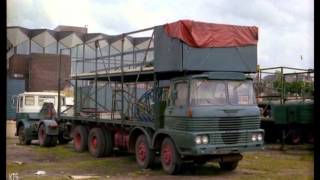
(286, 28)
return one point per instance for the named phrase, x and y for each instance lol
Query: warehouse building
(33, 59)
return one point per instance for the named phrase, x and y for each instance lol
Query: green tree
(298, 87)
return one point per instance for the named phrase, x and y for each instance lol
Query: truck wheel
(310, 137)
(170, 159)
(80, 139)
(22, 136)
(144, 155)
(62, 140)
(228, 166)
(54, 140)
(96, 142)
(108, 142)
(44, 139)
(295, 136)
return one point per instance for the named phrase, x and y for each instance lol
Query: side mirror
(174, 95)
(13, 101)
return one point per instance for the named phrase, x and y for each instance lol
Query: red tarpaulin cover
(200, 34)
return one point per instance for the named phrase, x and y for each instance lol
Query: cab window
(43, 99)
(29, 100)
(208, 92)
(181, 90)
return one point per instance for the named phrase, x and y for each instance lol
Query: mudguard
(51, 126)
(167, 133)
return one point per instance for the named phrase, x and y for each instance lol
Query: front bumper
(221, 150)
(220, 143)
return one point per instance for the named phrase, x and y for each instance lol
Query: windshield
(42, 99)
(241, 92)
(218, 92)
(208, 92)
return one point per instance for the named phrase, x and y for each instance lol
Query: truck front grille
(229, 138)
(215, 123)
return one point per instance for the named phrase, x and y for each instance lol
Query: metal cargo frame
(283, 73)
(112, 69)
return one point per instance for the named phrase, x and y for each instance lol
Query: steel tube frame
(108, 58)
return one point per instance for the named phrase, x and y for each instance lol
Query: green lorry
(286, 102)
(168, 96)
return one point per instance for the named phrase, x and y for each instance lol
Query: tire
(96, 142)
(170, 159)
(144, 155)
(44, 139)
(310, 137)
(108, 142)
(22, 136)
(80, 139)
(53, 140)
(295, 136)
(62, 140)
(229, 166)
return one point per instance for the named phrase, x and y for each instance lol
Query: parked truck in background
(182, 94)
(33, 117)
(285, 98)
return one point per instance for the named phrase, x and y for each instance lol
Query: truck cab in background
(36, 111)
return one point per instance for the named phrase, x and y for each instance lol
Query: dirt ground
(61, 162)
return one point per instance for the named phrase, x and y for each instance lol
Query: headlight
(254, 137)
(205, 139)
(259, 137)
(198, 140)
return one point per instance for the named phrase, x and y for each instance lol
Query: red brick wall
(18, 64)
(43, 71)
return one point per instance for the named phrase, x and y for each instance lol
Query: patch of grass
(32, 177)
(278, 166)
(12, 167)
(109, 166)
(61, 151)
(307, 157)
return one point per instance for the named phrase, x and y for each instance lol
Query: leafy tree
(295, 87)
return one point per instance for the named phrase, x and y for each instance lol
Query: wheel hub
(78, 139)
(142, 151)
(94, 142)
(42, 133)
(167, 155)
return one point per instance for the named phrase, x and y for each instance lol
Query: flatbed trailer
(159, 104)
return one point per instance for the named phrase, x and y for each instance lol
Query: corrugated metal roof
(71, 37)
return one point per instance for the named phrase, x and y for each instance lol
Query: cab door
(19, 104)
(178, 101)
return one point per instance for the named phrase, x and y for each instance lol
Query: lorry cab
(213, 113)
(31, 102)
(28, 116)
